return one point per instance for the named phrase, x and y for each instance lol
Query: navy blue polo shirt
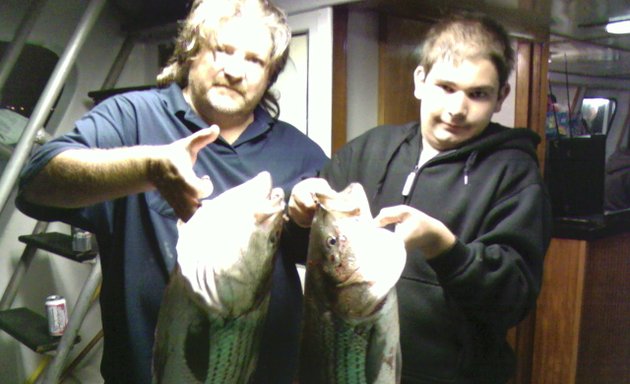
(137, 234)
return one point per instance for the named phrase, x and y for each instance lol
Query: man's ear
(418, 80)
(503, 94)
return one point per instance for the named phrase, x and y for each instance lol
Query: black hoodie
(455, 309)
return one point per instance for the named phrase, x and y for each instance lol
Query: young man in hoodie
(466, 195)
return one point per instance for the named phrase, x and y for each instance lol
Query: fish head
(227, 249)
(355, 262)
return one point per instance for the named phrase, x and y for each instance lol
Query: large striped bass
(351, 330)
(211, 318)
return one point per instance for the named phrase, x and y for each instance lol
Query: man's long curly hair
(200, 26)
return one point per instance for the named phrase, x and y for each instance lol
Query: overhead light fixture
(618, 27)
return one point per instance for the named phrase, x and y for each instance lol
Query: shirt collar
(174, 99)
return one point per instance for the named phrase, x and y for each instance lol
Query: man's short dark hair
(468, 35)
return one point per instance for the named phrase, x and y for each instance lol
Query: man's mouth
(228, 88)
(454, 127)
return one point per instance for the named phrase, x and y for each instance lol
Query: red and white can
(57, 314)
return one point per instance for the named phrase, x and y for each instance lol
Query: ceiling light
(618, 27)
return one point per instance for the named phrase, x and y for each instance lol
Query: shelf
(30, 328)
(58, 243)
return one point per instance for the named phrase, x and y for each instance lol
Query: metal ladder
(23, 324)
(30, 328)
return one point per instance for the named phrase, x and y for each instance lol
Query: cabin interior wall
(363, 61)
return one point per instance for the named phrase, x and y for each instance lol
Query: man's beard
(231, 105)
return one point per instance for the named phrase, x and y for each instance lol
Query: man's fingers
(184, 204)
(391, 215)
(204, 187)
(199, 187)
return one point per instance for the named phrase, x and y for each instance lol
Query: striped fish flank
(213, 310)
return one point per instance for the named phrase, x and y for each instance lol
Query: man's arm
(81, 177)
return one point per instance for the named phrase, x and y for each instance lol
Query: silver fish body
(213, 310)
(351, 330)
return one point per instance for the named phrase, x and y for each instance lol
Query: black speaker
(574, 174)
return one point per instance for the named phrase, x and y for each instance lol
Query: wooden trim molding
(339, 79)
(532, 89)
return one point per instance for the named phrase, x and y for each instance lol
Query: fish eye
(331, 241)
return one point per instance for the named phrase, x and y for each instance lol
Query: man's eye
(479, 95)
(224, 49)
(256, 60)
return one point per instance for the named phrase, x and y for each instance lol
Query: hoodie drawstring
(470, 161)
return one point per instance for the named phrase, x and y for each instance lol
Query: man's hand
(302, 203)
(419, 230)
(172, 172)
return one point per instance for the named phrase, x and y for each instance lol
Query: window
(597, 114)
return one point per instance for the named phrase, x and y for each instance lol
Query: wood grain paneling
(583, 316)
(604, 345)
(340, 79)
(558, 313)
(398, 58)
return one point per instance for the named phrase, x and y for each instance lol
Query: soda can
(57, 314)
(82, 241)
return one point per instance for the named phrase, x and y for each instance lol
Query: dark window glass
(20, 93)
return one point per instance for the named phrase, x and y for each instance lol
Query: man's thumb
(204, 137)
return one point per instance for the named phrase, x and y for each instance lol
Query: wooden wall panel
(583, 316)
(532, 89)
(340, 79)
(604, 347)
(398, 45)
(555, 342)
(531, 105)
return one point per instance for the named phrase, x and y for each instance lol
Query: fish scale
(348, 343)
(235, 348)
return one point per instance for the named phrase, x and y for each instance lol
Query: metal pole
(74, 323)
(10, 56)
(50, 93)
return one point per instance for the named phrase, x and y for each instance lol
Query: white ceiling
(579, 43)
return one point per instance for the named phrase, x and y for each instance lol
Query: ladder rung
(58, 243)
(30, 328)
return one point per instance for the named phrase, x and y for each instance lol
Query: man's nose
(234, 67)
(456, 105)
